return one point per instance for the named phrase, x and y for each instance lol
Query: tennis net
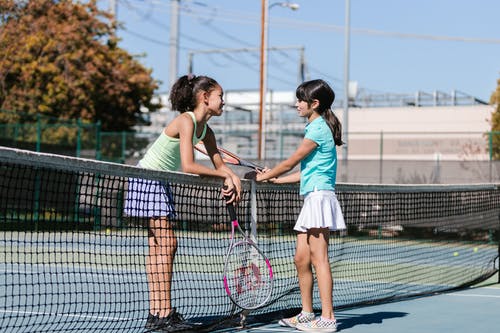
(71, 259)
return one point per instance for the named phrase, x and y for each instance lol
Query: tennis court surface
(72, 260)
(473, 309)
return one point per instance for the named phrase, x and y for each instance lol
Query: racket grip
(232, 211)
(230, 208)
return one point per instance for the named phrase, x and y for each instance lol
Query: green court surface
(474, 309)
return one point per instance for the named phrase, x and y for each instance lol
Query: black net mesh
(72, 258)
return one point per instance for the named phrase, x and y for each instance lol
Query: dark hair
(320, 90)
(184, 91)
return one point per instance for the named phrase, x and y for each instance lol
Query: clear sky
(397, 46)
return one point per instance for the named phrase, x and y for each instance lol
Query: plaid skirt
(149, 198)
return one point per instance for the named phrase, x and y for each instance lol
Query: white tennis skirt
(321, 210)
(149, 198)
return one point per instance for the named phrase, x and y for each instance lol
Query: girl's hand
(252, 175)
(237, 186)
(261, 175)
(276, 180)
(230, 191)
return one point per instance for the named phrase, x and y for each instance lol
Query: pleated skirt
(321, 209)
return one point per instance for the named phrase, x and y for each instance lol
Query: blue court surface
(475, 309)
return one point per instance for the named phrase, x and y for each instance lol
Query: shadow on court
(473, 309)
(346, 320)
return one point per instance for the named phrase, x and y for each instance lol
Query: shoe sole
(316, 330)
(284, 324)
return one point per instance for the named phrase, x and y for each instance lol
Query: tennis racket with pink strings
(248, 275)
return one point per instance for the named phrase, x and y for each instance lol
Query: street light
(286, 4)
(263, 64)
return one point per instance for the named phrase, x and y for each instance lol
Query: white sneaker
(303, 317)
(318, 325)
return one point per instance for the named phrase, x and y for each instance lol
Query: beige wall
(470, 118)
(424, 133)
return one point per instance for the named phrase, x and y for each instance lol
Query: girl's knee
(301, 261)
(319, 261)
(165, 239)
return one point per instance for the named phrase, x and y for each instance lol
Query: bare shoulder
(182, 122)
(184, 118)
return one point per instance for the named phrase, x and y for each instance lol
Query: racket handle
(232, 211)
(230, 208)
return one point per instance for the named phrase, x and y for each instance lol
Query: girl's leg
(159, 265)
(318, 244)
(304, 271)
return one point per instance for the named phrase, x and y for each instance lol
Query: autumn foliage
(60, 58)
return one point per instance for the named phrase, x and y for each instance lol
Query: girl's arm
(219, 164)
(305, 148)
(185, 127)
(291, 178)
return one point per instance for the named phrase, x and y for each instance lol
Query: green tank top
(165, 154)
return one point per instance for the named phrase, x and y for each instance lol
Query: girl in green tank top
(197, 98)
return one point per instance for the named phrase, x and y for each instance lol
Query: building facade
(431, 138)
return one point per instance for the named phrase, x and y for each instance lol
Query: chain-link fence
(382, 157)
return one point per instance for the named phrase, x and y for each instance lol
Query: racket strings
(248, 276)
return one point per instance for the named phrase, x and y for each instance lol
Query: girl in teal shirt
(321, 211)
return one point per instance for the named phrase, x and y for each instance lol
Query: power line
(147, 38)
(240, 17)
(147, 17)
(146, 9)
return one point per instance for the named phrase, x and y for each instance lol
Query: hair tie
(191, 78)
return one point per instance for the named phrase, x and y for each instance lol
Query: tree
(61, 59)
(495, 122)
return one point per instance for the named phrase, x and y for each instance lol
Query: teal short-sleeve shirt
(319, 168)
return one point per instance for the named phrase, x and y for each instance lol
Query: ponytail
(335, 126)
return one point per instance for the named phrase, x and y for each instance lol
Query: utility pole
(113, 7)
(264, 48)
(345, 118)
(174, 42)
(262, 77)
(113, 11)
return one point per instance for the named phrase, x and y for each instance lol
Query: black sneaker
(155, 323)
(175, 322)
(152, 321)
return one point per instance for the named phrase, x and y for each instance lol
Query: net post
(98, 152)
(78, 137)
(253, 210)
(38, 133)
(36, 203)
(243, 318)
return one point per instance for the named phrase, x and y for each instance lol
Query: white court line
(267, 329)
(115, 274)
(474, 295)
(65, 315)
